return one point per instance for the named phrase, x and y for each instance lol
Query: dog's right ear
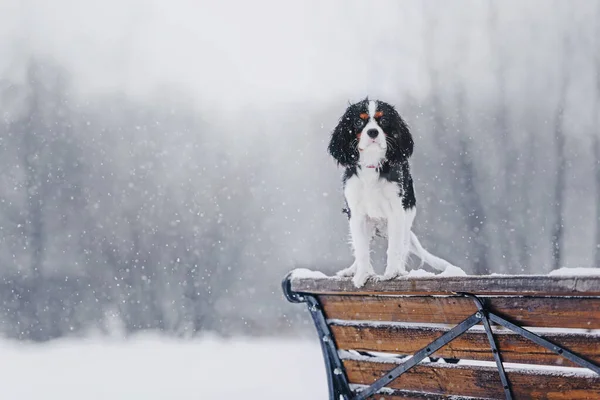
(343, 145)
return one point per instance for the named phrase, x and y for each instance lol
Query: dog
(373, 143)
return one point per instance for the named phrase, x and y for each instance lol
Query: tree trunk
(471, 204)
(468, 198)
(557, 231)
(597, 160)
(523, 243)
(558, 201)
(506, 195)
(473, 210)
(31, 128)
(596, 140)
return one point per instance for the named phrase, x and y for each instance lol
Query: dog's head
(369, 133)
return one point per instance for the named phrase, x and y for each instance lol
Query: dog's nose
(373, 133)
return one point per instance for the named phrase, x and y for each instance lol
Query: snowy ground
(151, 368)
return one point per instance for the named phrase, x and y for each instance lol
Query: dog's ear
(403, 143)
(343, 143)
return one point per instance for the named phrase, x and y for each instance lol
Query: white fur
(367, 142)
(426, 257)
(371, 199)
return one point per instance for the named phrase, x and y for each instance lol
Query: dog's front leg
(360, 231)
(397, 251)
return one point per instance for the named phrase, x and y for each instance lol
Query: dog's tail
(425, 256)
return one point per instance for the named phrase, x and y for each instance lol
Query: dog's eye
(358, 123)
(383, 121)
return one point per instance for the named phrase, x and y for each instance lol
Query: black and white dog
(374, 144)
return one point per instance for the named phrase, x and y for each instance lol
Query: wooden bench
(383, 341)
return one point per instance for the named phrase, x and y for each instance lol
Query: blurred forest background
(163, 164)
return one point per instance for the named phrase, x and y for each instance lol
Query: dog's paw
(346, 272)
(394, 269)
(393, 273)
(362, 275)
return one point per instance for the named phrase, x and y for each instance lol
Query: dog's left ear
(403, 145)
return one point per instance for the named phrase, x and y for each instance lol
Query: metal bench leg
(339, 389)
(480, 315)
(421, 355)
(528, 335)
(545, 343)
(495, 352)
(490, 316)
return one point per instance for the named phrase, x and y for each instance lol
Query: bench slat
(539, 285)
(527, 311)
(479, 381)
(472, 345)
(406, 395)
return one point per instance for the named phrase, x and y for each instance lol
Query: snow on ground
(580, 271)
(152, 368)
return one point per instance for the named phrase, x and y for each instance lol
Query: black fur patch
(343, 147)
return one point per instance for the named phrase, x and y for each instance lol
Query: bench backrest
(374, 328)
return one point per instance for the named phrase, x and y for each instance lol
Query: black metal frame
(339, 389)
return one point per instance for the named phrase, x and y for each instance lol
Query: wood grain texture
(479, 381)
(472, 345)
(527, 311)
(406, 395)
(538, 285)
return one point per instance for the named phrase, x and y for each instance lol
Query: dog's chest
(369, 195)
